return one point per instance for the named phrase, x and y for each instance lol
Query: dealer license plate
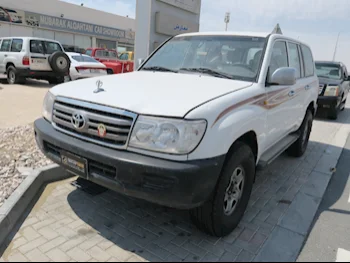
(74, 163)
(95, 71)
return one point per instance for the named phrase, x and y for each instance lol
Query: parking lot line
(343, 255)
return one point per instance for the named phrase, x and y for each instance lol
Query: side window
(309, 63)
(88, 52)
(279, 57)
(16, 45)
(345, 72)
(5, 45)
(36, 46)
(124, 56)
(294, 59)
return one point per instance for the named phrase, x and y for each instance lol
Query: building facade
(76, 27)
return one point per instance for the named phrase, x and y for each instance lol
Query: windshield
(84, 59)
(330, 71)
(237, 57)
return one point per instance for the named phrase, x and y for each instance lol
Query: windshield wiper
(160, 69)
(208, 71)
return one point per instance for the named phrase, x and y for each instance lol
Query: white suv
(27, 57)
(196, 119)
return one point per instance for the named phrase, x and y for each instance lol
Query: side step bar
(277, 150)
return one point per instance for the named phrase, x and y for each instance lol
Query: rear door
(4, 53)
(40, 51)
(39, 60)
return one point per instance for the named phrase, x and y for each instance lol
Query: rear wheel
(222, 213)
(299, 147)
(333, 113)
(12, 76)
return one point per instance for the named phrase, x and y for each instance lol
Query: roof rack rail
(277, 30)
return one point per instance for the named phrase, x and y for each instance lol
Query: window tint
(36, 46)
(124, 57)
(279, 57)
(51, 47)
(16, 45)
(5, 46)
(88, 52)
(308, 61)
(294, 59)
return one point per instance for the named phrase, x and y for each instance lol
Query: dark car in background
(334, 87)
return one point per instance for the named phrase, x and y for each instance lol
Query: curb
(15, 206)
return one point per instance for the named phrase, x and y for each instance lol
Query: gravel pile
(19, 155)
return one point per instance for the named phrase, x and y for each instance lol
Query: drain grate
(88, 187)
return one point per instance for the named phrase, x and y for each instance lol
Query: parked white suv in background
(188, 129)
(27, 57)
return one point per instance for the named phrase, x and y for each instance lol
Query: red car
(111, 60)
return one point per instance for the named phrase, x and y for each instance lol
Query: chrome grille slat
(118, 123)
(64, 116)
(109, 136)
(110, 128)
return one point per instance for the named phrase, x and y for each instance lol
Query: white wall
(146, 36)
(71, 11)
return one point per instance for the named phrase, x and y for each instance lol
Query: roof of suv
(31, 38)
(219, 33)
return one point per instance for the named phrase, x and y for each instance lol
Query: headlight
(48, 106)
(167, 135)
(332, 91)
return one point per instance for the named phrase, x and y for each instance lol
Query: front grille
(118, 123)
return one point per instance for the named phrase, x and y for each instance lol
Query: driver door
(279, 98)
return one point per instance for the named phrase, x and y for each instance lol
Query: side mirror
(283, 77)
(140, 62)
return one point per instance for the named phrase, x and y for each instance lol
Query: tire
(298, 148)
(211, 218)
(55, 81)
(12, 77)
(59, 62)
(333, 114)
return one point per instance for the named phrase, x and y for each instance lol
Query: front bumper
(182, 185)
(325, 102)
(27, 73)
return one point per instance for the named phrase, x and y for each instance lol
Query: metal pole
(336, 46)
(226, 26)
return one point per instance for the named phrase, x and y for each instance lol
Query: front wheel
(299, 147)
(56, 80)
(12, 76)
(223, 212)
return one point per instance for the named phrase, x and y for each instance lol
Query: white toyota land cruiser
(188, 129)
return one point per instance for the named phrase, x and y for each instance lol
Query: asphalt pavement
(329, 239)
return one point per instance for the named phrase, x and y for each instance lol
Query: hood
(151, 93)
(327, 81)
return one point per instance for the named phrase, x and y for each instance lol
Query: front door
(279, 97)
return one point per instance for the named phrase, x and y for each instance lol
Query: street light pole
(336, 47)
(227, 19)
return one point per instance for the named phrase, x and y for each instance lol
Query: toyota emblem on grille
(78, 121)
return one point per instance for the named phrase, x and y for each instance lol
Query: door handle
(291, 93)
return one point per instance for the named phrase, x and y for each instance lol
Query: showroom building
(76, 27)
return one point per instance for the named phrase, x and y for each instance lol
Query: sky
(315, 22)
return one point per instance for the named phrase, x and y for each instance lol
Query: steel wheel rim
(234, 191)
(61, 63)
(12, 76)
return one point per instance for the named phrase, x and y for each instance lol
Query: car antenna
(277, 30)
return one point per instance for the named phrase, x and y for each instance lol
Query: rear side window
(309, 64)
(16, 45)
(44, 47)
(294, 59)
(5, 45)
